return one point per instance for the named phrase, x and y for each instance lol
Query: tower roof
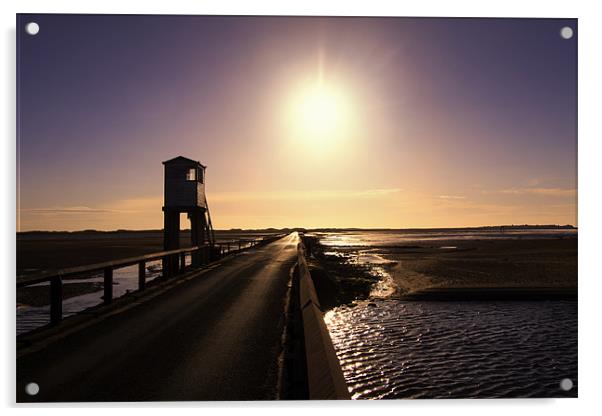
(182, 159)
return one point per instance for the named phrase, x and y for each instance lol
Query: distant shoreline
(512, 227)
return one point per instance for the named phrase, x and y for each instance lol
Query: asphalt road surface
(215, 337)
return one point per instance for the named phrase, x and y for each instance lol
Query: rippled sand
(393, 349)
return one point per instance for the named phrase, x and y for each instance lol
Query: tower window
(191, 175)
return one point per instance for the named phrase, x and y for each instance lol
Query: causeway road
(214, 337)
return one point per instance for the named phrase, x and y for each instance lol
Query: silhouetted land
(37, 251)
(40, 251)
(472, 267)
(47, 250)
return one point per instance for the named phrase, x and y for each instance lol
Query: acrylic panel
(287, 207)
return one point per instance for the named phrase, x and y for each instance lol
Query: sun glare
(320, 112)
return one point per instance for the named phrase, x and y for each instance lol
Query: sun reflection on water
(400, 349)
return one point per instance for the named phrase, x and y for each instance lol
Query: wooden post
(164, 267)
(171, 239)
(239, 244)
(176, 263)
(141, 275)
(108, 285)
(56, 300)
(195, 259)
(198, 225)
(182, 261)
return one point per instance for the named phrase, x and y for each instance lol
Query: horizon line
(515, 226)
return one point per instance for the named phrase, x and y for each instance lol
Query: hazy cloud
(300, 195)
(452, 197)
(67, 210)
(539, 191)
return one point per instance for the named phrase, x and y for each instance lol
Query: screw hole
(32, 28)
(566, 32)
(32, 389)
(566, 384)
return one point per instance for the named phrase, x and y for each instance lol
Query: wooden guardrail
(226, 247)
(324, 374)
(173, 263)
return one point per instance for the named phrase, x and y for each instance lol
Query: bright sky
(302, 122)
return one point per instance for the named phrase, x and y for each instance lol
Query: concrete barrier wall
(324, 373)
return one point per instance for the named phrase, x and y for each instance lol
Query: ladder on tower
(210, 234)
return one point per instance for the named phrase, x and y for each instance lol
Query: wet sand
(487, 268)
(457, 269)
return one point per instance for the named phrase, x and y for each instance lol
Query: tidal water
(124, 280)
(397, 237)
(395, 349)
(391, 349)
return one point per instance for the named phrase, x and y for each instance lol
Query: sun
(320, 112)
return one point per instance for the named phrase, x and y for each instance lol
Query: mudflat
(541, 263)
(455, 268)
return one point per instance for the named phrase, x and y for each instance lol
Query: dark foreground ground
(214, 337)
